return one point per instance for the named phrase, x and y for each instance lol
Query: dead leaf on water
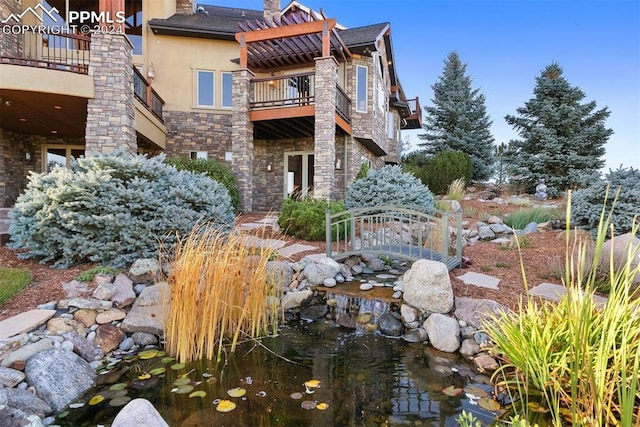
(322, 406)
(225, 406)
(452, 391)
(489, 404)
(237, 392)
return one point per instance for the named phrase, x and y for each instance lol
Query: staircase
(4, 225)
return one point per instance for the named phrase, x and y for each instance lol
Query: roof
(363, 36)
(209, 22)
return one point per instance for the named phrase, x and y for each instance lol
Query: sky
(506, 44)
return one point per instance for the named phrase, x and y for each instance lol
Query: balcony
(146, 95)
(414, 119)
(284, 106)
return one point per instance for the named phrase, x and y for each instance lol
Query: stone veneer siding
(14, 168)
(198, 131)
(111, 112)
(11, 43)
(271, 9)
(242, 137)
(325, 128)
(184, 7)
(268, 186)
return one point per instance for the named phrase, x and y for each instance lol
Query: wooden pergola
(290, 41)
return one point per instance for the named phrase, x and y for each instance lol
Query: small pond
(364, 379)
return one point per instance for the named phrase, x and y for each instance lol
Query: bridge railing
(408, 232)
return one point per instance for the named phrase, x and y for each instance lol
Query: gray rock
(295, 299)
(329, 282)
(339, 278)
(47, 306)
(532, 227)
(27, 351)
(476, 311)
(137, 289)
(494, 219)
(376, 264)
(480, 337)
(427, 286)
(314, 312)
(444, 332)
(145, 270)
(620, 246)
(279, 273)
(84, 347)
(345, 271)
(105, 291)
(11, 417)
(66, 345)
(139, 413)
(143, 338)
(357, 269)
(367, 270)
(126, 344)
(469, 347)
(397, 295)
(75, 288)
(10, 377)
(60, 377)
(300, 265)
(389, 326)
(124, 296)
(27, 402)
(3, 397)
(147, 313)
(324, 268)
(91, 303)
(500, 229)
(467, 331)
(416, 335)
(110, 315)
(485, 233)
(408, 313)
(366, 286)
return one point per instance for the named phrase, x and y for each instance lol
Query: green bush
(305, 218)
(113, 209)
(364, 170)
(520, 219)
(386, 186)
(88, 275)
(213, 169)
(445, 167)
(588, 202)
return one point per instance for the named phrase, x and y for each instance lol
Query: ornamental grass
(220, 294)
(576, 359)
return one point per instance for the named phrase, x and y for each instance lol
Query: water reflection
(366, 379)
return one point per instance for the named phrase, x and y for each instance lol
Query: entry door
(298, 174)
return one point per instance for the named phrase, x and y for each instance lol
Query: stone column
(12, 44)
(242, 137)
(185, 7)
(325, 128)
(111, 112)
(271, 10)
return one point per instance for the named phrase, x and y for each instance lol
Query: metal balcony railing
(65, 52)
(147, 95)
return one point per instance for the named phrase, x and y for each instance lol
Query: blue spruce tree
(561, 139)
(458, 119)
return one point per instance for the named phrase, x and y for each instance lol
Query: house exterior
(290, 99)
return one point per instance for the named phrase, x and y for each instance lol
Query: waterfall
(359, 313)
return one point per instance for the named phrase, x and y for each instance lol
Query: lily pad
(177, 366)
(308, 404)
(182, 381)
(119, 401)
(475, 390)
(322, 406)
(296, 396)
(452, 391)
(237, 392)
(144, 376)
(183, 389)
(199, 393)
(157, 371)
(96, 399)
(118, 386)
(167, 360)
(225, 406)
(536, 407)
(489, 404)
(148, 354)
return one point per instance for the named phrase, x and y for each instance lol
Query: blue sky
(505, 44)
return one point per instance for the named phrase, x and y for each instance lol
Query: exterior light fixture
(269, 167)
(338, 164)
(151, 73)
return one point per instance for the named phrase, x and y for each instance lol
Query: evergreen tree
(501, 165)
(562, 139)
(458, 119)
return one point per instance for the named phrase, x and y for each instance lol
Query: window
(382, 95)
(391, 125)
(205, 89)
(60, 155)
(227, 88)
(195, 155)
(361, 89)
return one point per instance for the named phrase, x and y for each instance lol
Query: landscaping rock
(11, 417)
(24, 322)
(84, 348)
(376, 264)
(24, 353)
(427, 286)
(143, 338)
(314, 312)
(408, 313)
(10, 377)
(485, 363)
(295, 299)
(124, 296)
(620, 246)
(475, 311)
(85, 316)
(60, 377)
(148, 311)
(485, 233)
(279, 273)
(145, 270)
(390, 326)
(110, 315)
(139, 413)
(105, 291)
(469, 347)
(443, 331)
(108, 337)
(416, 335)
(316, 272)
(27, 402)
(90, 303)
(532, 227)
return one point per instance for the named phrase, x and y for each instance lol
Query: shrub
(520, 219)
(88, 275)
(305, 218)
(386, 186)
(445, 167)
(455, 191)
(364, 170)
(12, 281)
(215, 170)
(588, 202)
(113, 209)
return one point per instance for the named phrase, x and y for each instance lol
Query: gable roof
(357, 39)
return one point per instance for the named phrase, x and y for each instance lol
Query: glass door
(298, 174)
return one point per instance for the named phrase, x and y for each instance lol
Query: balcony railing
(65, 52)
(147, 96)
(414, 106)
(293, 90)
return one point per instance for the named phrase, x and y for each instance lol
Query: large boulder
(27, 402)
(317, 271)
(147, 313)
(443, 332)
(279, 273)
(622, 247)
(476, 311)
(427, 286)
(60, 377)
(139, 413)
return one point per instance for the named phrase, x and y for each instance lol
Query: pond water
(365, 380)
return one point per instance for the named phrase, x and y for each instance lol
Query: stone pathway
(553, 292)
(479, 279)
(24, 322)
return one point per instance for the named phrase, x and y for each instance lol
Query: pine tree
(562, 139)
(458, 119)
(501, 166)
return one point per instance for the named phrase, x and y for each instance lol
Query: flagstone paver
(294, 249)
(24, 322)
(258, 242)
(554, 292)
(479, 279)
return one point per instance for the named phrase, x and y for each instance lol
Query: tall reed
(583, 358)
(220, 293)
